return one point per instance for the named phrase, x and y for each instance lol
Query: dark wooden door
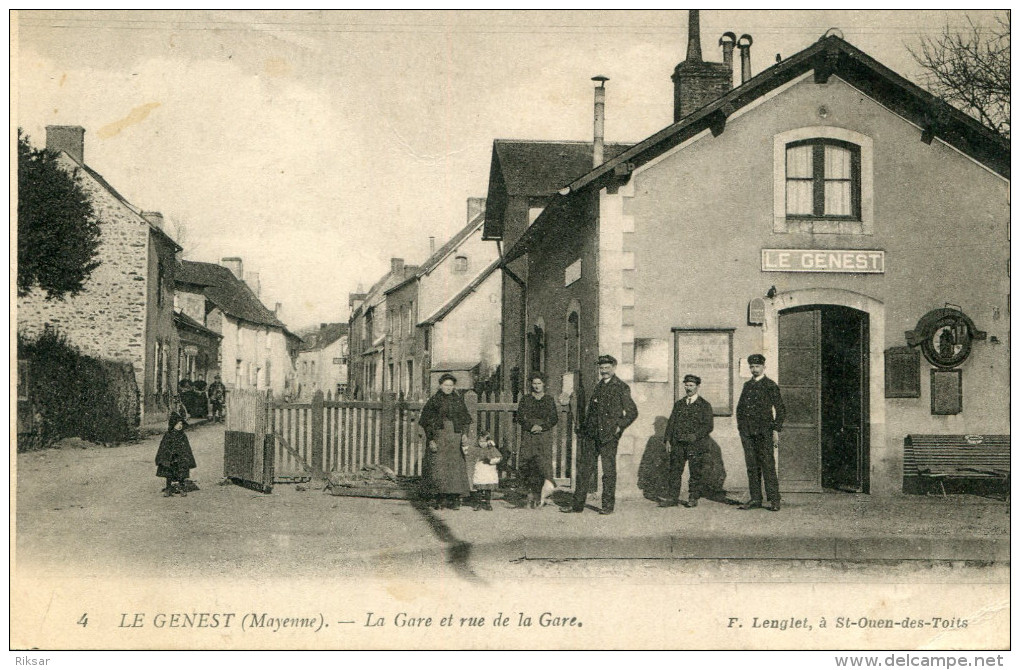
(800, 342)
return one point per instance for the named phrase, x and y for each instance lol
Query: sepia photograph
(680, 330)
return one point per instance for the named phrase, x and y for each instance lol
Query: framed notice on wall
(707, 353)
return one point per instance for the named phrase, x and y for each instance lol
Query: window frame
(863, 194)
(819, 179)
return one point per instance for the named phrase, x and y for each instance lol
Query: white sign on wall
(870, 261)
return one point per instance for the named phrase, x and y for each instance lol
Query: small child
(482, 460)
(174, 458)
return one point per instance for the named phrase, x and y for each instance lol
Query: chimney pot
(599, 143)
(69, 139)
(235, 265)
(727, 42)
(744, 44)
(432, 245)
(693, 36)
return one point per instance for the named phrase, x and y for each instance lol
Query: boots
(453, 501)
(477, 499)
(486, 500)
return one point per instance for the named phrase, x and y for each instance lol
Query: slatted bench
(936, 458)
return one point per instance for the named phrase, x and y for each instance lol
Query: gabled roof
(409, 272)
(828, 56)
(182, 320)
(229, 293)
(452, 303)
(324, 336)
(442, 252)
(535, 168)
(116, 194)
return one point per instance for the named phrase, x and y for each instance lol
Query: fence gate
(269, 440)
(247, 448)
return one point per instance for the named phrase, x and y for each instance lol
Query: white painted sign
(869, 261)
(572, 273)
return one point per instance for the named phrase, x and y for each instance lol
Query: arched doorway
(823, 370)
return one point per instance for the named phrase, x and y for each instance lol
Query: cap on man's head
(692, 378)
(606, 358)
(756, 359)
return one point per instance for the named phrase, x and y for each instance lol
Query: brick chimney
(155, 218)
(70, 139)
(475, 206)
(234, 264)
(696, 82)
(397, 267)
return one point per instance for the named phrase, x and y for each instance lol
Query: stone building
(125, 311)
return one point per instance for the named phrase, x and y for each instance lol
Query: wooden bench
(936, 458)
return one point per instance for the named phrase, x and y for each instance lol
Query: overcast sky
(318, 145)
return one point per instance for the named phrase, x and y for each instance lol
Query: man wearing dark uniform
(610, 411)
(686, 435)
(760, 415)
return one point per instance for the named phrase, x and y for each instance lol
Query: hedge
(74, 395)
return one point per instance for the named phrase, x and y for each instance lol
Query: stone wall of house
(107, 319)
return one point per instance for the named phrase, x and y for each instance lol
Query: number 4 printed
(84, 620)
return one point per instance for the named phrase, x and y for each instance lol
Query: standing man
(217, 397)
(686, 435)
(760, 415)
(610, 411)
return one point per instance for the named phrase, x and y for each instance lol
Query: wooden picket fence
(338, 435)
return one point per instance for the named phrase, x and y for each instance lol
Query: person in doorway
(481, 461)
(687, 432)
(446, 422)
(217, 397)
(536, 413)
(610, 411)
(174, 458)
(760, 416)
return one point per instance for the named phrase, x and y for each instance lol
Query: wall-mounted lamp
(771, 293)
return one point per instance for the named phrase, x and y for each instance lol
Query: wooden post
(388, 433)
(318, 415)
(471, 400)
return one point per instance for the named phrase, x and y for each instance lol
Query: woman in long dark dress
(536, 413)
(174, 458)
(446, 422)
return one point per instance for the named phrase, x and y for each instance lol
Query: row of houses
(171, 319)
(420, 321)
(825, 212)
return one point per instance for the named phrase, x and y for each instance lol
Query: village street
(94, 533)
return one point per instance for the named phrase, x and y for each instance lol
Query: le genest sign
(869, 261)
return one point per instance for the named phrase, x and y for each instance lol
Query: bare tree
(970, 70)
(181, 232)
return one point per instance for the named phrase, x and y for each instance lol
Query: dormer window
(460, 264)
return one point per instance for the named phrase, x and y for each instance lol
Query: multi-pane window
(460, 264)
(823, 179)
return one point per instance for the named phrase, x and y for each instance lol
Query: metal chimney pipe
(744, 44)
(599, 146)
(693, 36)
(727, 42)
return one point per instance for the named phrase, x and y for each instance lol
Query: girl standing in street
(446, 421)
(482, 459)
(174, 459)
(536, 413)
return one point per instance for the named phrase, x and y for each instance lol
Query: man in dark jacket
(760, 415)
(610, 411)
(686, 436)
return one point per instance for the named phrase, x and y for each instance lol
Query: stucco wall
(471, 331)
(704, 213)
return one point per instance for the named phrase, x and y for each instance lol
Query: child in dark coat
(174, 459)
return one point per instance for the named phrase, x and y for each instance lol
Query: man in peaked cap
(687, 431)
(610, 411)
(760, 416)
